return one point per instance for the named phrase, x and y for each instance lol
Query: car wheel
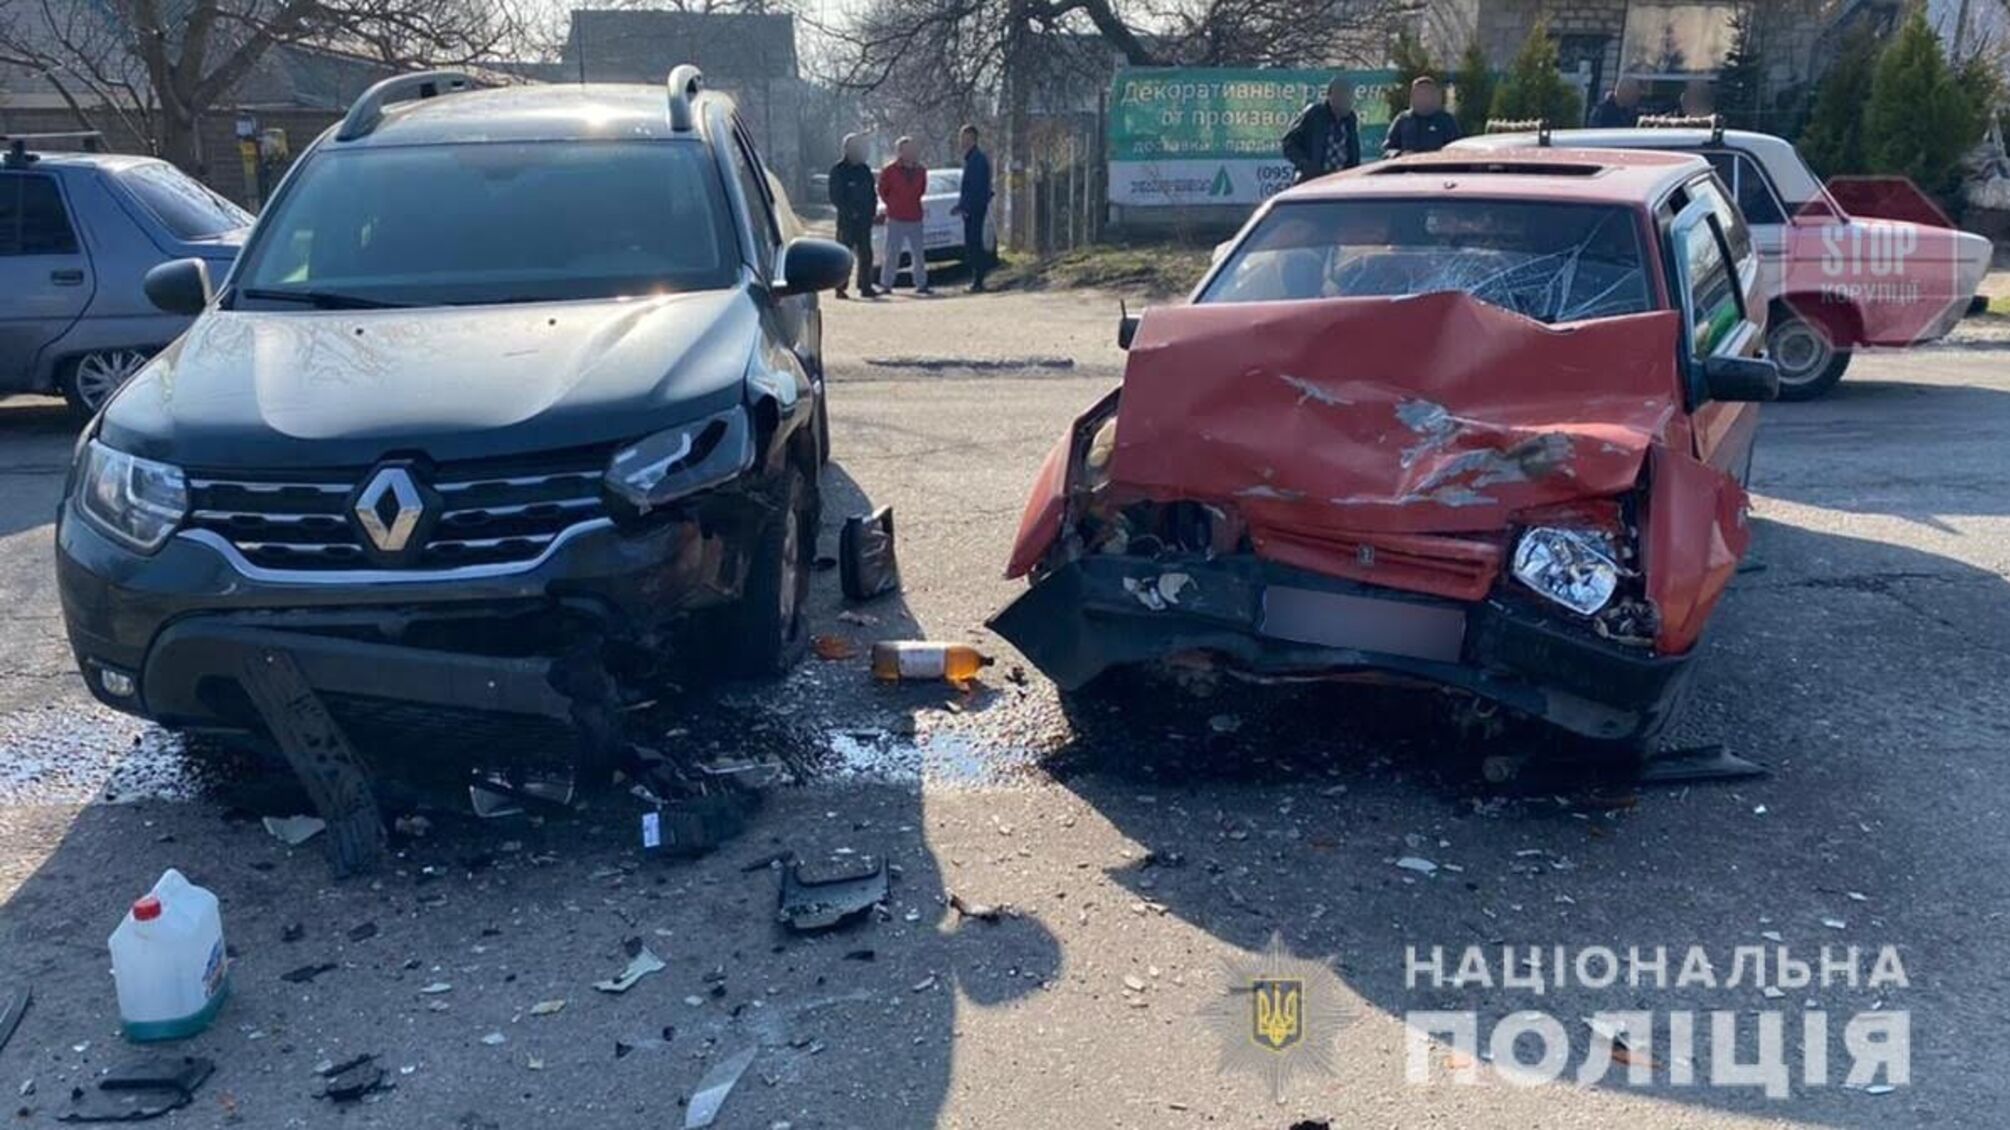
(90, 380)
(1809, 364)
(763, 632)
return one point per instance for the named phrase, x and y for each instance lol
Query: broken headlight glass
(138, 502)
(1578, 569)
(682, 460)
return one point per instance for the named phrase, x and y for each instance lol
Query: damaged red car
(1481, 422)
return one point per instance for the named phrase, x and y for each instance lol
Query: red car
(1481, 421)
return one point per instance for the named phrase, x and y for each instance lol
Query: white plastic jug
(168, 961)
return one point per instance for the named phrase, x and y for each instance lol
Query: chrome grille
(489, 513)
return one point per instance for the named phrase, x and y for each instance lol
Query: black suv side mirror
(811, 265)
(1741, 378)
(179, 286)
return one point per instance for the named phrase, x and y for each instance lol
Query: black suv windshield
(493, 222)
(1553, 262)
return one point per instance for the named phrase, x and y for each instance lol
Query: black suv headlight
(137, 502)
(682, 460)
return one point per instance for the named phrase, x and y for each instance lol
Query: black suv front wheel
(763, 633)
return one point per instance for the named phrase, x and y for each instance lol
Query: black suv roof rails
(1522, 125)
(686, 82)
(369, 109)
(1712, 122)
(17, 144)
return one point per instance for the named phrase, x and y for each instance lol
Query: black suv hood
(260, 389)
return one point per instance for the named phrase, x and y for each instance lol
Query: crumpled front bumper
(1267, 620)
(181, 623)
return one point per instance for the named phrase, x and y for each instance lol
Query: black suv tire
(763, 633)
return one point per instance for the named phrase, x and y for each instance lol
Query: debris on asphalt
(1224, 723)
(820, 897)
(853, 616)
(307, 973)
(833, 647)
(714, 1088)
(13, 1004)
(350, 1081)
(495, 1039)
(1699, 763)
(363, 932)
(1621, 1052)
(895, 661)
(867, 564)
(141, 1090)
(295, 830)
(641, 963)
(413, 826)
(437, 988)
(1418, 864)
(985, 911)
(862, 955)
(292, 932)
(547, 1008)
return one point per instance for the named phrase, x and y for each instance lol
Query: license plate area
(1364, 623)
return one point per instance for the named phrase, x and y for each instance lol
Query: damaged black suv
(511, 392)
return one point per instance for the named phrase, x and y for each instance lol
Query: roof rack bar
(1522, 125)
(686, 81)
(1712, 122)
(18, 157)
(369, 109)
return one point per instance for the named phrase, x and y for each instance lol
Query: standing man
(1327, 135)
(902, 183)
(856, 202)
(972, 203)
(1426, 126)
(1620, 108)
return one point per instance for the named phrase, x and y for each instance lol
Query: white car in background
(941, 232)
(1776, 190)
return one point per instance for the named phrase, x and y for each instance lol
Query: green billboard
(1208, 113)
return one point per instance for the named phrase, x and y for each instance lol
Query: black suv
(511, 391)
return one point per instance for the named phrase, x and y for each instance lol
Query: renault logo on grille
(389, 509)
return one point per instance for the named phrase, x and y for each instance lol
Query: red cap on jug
(146, 908)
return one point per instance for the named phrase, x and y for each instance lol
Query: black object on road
(12, 1006)
(818, 897)
(867, 566)
(1701, 763)
(328, 767)
(141, 1090)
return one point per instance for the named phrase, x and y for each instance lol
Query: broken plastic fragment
(714, 1088)
(294, 830)
(641, 965)
(1418, 864)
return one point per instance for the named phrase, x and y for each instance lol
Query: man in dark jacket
(856, 201)
(972, 202)
(1620, 108)
(1327, 135)
(1426, 126)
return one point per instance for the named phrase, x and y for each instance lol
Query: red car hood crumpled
(1434, 415)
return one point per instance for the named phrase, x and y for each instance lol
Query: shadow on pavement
(1294, 822)
(1859, 449)
(437, 961)
(37, 436)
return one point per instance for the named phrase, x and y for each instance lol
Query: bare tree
(160, 67)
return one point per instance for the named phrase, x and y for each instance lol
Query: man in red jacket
(901, 185)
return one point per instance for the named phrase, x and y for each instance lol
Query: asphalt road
(1864, 662)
